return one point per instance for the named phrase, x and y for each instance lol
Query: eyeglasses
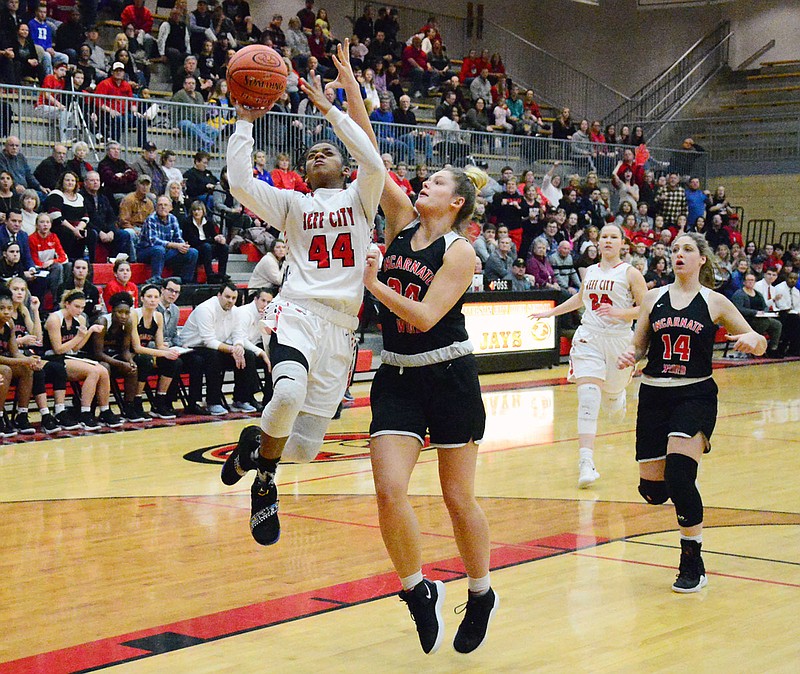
(172, 290)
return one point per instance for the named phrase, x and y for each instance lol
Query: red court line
(113, 651)
(668, 566)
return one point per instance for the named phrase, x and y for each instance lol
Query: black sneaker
(264, 523)
(139, 410)
(196, 410)
(7, 429)
(89, 422)
(22, 424)
(472, 630)
(49, 424)
(692, 571)
(162, 408)
(243, 457)
(425, 605)
(131, 413)
(68, 420)
(108, 418)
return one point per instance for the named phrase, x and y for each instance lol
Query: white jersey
(327, 232)
(606, 287)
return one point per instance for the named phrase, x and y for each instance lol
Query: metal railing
(667, 93)
(735, 140)
(186, 129)
(553, 79)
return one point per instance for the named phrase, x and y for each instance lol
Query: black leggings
(164, 367)
(53, 373)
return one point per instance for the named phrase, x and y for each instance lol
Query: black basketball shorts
(674, 410)
(443, 400)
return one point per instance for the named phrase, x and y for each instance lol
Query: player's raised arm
(267, 202)
(396, 205)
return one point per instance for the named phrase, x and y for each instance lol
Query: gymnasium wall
(616, 43)
(771, 196)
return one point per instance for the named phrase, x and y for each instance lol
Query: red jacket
(469, 68)
(289, 180)
(50, 82)
(417, 55)
(51, 242)
(108, 87)
(113, 287)
(141, 18)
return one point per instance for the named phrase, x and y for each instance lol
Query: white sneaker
(588, 473)
(242, 407)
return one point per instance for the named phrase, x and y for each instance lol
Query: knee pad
(680, 475)
(289, 379)
(653, 491)
(589, 398)
(306, 438)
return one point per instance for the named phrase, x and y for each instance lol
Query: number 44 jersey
(608, 287)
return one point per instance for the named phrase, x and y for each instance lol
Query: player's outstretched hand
(627, 358)
(748, 342)
(373, 265)
(312, 87)
(249, 114)
(536, 315)
(341, 59)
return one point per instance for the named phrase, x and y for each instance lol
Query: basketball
(256, 76)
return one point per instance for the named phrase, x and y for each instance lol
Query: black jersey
(19, 326)
(67, 333)
(5, 339)
(410, 272)
(113, 338)
(682, 343)
(147, 334)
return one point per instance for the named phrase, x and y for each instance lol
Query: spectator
(587, 259)
(79, 280)
(380, 50)
(140, 19)
(563, 126)
(12, 267)
(716, 234)
(102, 219)
(98, 55)
(135, 208)
(249, 317)
(48, 255)
(540, 268)
(718, 203)
(520, 281)
(318, 45)
(451, 145)
(564, 268)
(498, 264)
(66, 333)
(481, 87)
(70, 35)
(117, 116)
(470, 68)
(213, 333)
(49, 105)
(161, 242)
(385, 131)
(116, 176)
(421, 175)
(658, 274)
(684, 161)
(507, 209)
(29, 200)
(485, 244)
(168, 167)
(752, 306)
(146, 165)
(230, 212)
(306, 17)
(789, 308)
(276, 35)
(200, 182)
(447, 103)
(672, 200)
(416, 67)
(190, 69)
(180, 204)
(364, 26)
(135, 76)
(220, 115)
(284, 178)
(203, 234)
(153, 355)
(440, 65)
(766, 286)
(174, 40)
(200, 30)
(70, 218)
(12, 231)
(52, 168)
(168, 308)
(25, 63)
(13, 161)
(260, 170)
(121, 283)
(270, 268)
(297, 42)
(78, 164)
(696, 201)
(41, 32)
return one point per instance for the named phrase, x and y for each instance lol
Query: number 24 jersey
(606, 287)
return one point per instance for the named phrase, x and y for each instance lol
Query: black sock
(266, 467)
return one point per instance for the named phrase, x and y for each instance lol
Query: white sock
(697, 539)
(59, 408)
(103, 408)
(410, 582)
(586, 453)
(86, 409)
(22, 410)
(43, 411)
(478, 586)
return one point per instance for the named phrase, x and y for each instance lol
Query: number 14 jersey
(606, 287)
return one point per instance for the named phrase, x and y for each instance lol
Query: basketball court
(124, 552)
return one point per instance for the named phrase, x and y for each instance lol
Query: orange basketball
(256, 76)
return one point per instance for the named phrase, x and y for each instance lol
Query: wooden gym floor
(125, 552)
